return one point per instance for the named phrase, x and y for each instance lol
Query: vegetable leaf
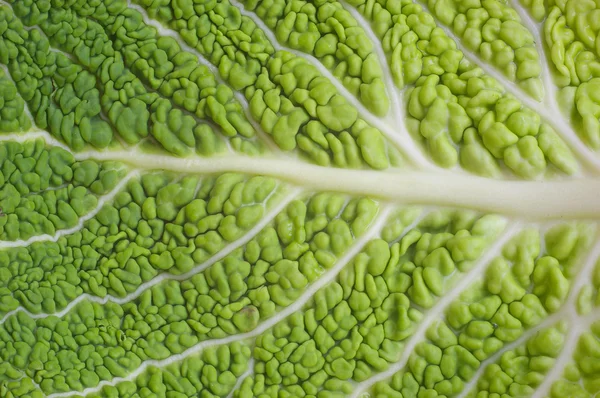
(299, 198)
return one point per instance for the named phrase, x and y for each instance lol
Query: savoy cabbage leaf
(299, 198)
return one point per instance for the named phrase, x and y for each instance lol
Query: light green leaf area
(300, 198)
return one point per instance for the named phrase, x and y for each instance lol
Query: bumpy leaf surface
(300, 198)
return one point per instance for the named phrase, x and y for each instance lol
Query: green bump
(561, 240)
(286, 128)
(525, 158)
(373, 148)
(246, 319)
(497, 138)
(379, 253)
(337, 114)
(556, 150)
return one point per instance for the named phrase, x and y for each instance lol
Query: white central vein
(553, 118)
(393, 129)
(437, 311)
(324, 280)
(578, 197)
(62, 232)
(225, 251)
(572, 198)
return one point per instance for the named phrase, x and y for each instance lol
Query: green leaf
(292, 198)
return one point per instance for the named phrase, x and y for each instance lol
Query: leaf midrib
(572, 198)
(530, 200)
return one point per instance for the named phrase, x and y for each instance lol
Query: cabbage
(293, 198)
